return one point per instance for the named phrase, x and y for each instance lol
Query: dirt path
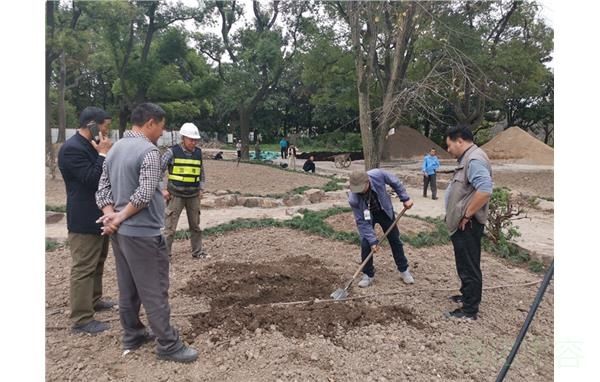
(536, 231)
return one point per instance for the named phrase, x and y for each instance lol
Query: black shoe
(434, 198)
(460, 313)
(92, 327)
(200, 255)
(183, 355)
(147, 337)
(458, 298)
(103, 305)
(424, 196)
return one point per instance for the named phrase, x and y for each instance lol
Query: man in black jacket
(309, 165)
(80, 162)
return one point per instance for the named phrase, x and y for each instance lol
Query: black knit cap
(92, 113)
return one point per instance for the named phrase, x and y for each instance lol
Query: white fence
(168, 138)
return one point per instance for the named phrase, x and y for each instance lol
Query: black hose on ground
(532, 310)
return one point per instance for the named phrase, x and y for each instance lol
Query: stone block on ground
(314, 195)
(54, 217)
(226, 201)
(544, 205)
(208, 203)
(269, 203)
(221, 192)
(252, 202)
(295, 200)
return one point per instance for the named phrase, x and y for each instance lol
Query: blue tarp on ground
(266, 155)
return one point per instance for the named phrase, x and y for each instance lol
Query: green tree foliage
(322, 70)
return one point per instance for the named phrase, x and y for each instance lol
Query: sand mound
(408, 143)
(518, 146)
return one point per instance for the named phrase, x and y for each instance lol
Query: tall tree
(382, 35)
(51, 56)
(129, 29)
(257, 54)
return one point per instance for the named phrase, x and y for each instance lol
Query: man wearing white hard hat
(184, 186)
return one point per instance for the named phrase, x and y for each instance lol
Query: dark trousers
(430, 180)
(143, 277)
(467, 253)
(381, 218)
(284, 153)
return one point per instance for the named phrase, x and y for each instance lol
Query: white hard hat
(189, 130)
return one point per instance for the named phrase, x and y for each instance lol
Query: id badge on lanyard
(367, 214)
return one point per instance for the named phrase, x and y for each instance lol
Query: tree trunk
(50, 57)
(124, 114)
(62, 79)
(244, 130)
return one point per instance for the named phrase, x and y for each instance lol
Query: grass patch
(513, 254)
(333, 185)
(548, 198)
(53, 208)
(438, 236)
(52, 245)
(314, 222)
(311, 222)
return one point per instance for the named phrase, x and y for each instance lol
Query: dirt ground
(227, 306)
(218, 306)
(223, 175)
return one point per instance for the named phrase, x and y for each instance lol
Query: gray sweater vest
(123, 162)
(461, 191)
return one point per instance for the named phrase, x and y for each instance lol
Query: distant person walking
(238, 147)
(283, 145)
(292, 157)
(466, 200)
(430, 165)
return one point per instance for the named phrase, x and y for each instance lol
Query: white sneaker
(407, 277)
(365, 281)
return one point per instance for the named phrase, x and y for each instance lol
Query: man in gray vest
(466, 200)
(129, 195)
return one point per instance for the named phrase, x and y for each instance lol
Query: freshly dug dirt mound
(290, 279)
(327, 319)
(408, 143)
(518, 146)
(239, 292)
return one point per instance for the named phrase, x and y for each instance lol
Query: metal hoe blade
(339, 294)
(342, 293)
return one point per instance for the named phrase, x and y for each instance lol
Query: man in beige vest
(466, 200)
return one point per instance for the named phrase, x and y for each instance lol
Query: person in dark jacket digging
(372, 205)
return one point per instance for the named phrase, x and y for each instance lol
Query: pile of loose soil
(518, 146)
(326, 319)
(241, 294)
(289, 279)
(408, 143)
